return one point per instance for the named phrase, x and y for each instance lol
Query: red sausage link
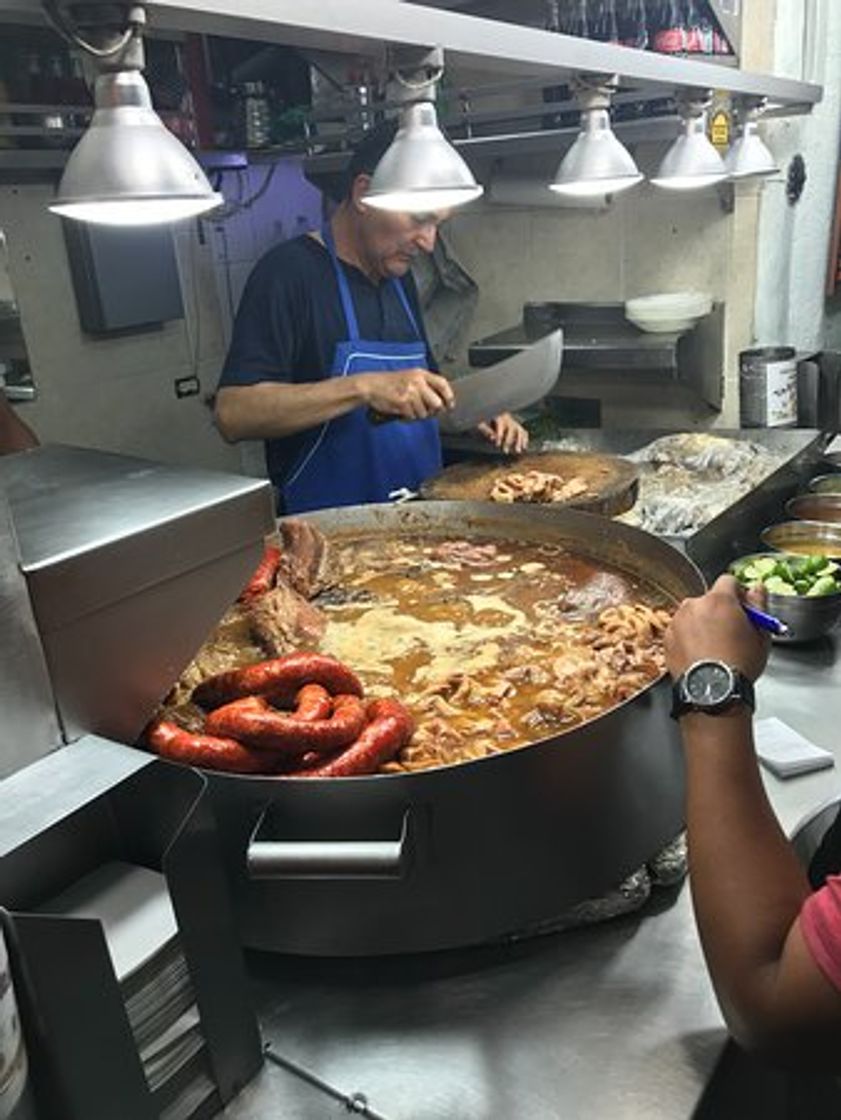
(313, 702)
(279, 679)
(264, 575)
(173, 742)
(390, 729)
(256, 723)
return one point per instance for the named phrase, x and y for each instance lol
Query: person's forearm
(747, 883)
(272, 410)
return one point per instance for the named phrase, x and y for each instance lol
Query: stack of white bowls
(668, 312)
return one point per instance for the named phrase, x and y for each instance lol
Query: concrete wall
(648, 241)
(793, 239)
(118, 393)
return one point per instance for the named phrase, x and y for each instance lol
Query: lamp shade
(597, 163)
(128, 169)
(749, 156)
(421, 172)
(692, 162)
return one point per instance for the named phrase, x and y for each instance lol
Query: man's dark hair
(368, 153)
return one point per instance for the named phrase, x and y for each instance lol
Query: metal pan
(396, 863)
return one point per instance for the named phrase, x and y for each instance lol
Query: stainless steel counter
(617, 1022)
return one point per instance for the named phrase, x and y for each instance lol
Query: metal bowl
(804, 538)
(826, 484)
(816, 507)
(807, 619)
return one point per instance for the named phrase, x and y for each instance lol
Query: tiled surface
(648, 241)
(118, 393)
(113, 393)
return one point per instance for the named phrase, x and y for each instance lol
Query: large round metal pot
(462, 854)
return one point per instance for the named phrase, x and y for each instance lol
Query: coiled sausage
(313, 702)
(279, 680)
(254, 722)
(390, 729)
(191, 749)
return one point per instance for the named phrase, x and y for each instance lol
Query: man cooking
(329, 362)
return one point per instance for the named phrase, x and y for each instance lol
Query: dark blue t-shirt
(290, 319)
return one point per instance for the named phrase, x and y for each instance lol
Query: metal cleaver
(511, 384)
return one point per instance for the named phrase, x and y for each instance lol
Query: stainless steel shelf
(34, 159)
(367, 26)
(513, 141)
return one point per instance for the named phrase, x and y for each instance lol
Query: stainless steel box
(128, 564)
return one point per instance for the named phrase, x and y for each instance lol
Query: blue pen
(763, 621)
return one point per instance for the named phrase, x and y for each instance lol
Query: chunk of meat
(282, 621)
(303, 559)
(188, 716)
(466, 553)
(527, 674)
(232, 644)
(605, 589)
(537, 486)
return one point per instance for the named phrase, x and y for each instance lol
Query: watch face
(708, 683)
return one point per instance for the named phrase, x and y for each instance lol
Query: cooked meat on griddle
(537, 486)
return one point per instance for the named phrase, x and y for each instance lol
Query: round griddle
(612, 482)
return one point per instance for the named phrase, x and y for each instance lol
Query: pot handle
(330, 859)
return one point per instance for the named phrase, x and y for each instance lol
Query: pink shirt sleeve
(820, 921)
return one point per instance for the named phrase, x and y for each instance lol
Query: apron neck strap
(407, 307)
(341, 280)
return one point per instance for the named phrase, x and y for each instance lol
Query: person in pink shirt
(772, 944)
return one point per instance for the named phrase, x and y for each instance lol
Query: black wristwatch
(711, 687)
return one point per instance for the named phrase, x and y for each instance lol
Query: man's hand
(411, 394)
(714, 627)
(506, 433)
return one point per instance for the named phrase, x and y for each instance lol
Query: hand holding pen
(766, 622)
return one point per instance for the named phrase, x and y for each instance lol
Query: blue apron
(349, 460)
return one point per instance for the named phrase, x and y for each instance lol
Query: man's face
(391, 241)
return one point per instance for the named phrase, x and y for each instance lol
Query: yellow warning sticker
(720, 129)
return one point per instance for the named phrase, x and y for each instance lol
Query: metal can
(768, 387)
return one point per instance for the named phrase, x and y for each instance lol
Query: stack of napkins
(785, 752)
(133, 905)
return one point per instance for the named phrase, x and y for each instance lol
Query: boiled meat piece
(303, 560)
(605, 589)
(466, 553)
(283, 621)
